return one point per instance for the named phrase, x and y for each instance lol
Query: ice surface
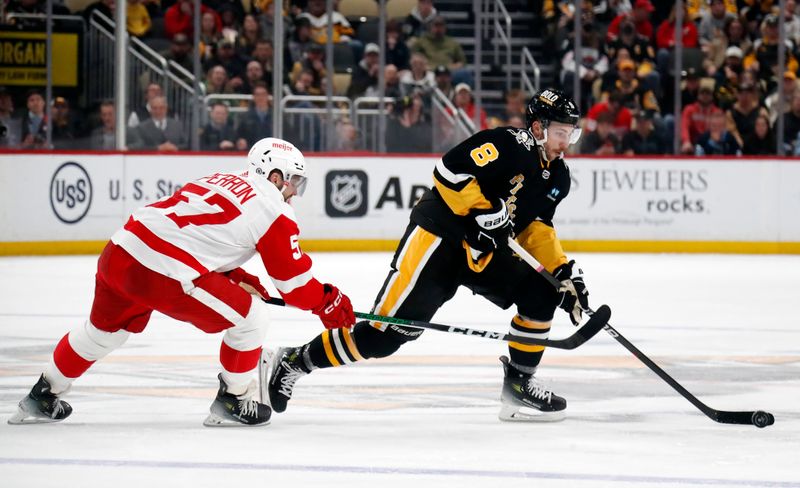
(725, 326)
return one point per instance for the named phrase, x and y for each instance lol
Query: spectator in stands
(300, 40)
(231, 21)
(227, 57)
(217, 81)
(591, 66)
(142, 112)
(254, 74)
(791, 126)
(640, 15)
(728, 78)
(695, 116)
(257, 122)
(439, 48)
(742, 115)
(409, 130)
(105, 136)
(249, 34)
(764, 57)
(366, 73)
(644, 138)
(210, 35)
(34, 122)
(514, 103)
(218, 134)
(736, 35)
(792, 22)
(391, 78)
(717, 141)
(665, 39)
(137, 18)
(160, 132)
(762, 140)
(397, 52)
(180, 51)
(303, 83)
(713, 21)
(444, 82)
(67, 128)
(696, 9)
(179, 18)
(790, 86)
(635, 94)
(264, 53)
(346, 137)
(235, 7)
(314, 64)
(318, 17)
(266, 18)
(12, 125)
(640, 50)
(465, 102)
(690, 86)
(419, 20)
(621, 115)
(602, 141)
(419, 77)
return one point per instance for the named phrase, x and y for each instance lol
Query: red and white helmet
(271, 154)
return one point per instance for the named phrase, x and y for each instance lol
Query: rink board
(72, 203)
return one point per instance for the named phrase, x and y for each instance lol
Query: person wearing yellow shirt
(138, 18)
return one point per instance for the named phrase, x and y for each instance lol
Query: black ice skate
(279, 371)
(229, 410)
(524, 399)
(41, 406)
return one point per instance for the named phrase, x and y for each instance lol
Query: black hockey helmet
(552, 105)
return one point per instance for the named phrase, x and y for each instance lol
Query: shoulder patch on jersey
(523, 137)
(553, 194)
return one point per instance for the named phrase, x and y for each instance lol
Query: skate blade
(513, 413)
(264, 372)
(214, 420)
(24, 418)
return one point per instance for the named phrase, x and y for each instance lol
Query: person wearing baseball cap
(640, 15)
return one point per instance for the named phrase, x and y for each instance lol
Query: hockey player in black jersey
(497, 183)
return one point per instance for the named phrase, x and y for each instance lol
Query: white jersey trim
(288, 286)
(449, 175)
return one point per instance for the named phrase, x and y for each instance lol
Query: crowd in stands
(729, 82)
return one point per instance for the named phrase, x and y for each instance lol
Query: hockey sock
(77, 351)
(341, 346)
(526, 357)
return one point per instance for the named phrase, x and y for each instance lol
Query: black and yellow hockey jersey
(503, 163)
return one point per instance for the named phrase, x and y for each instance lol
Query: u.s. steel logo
(70, 192)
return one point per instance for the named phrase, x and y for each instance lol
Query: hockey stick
(592, 327)
(759, 418)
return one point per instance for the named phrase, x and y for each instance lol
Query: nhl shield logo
(346, 193)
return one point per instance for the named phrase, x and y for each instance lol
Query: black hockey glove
(490, 228)
(573, 292)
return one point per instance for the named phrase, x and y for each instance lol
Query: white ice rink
(724, 326)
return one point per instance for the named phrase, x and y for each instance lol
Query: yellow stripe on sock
(531, 325)
(417, 248)
(351, 344)
(326, 343)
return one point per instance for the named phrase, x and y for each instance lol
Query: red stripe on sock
(68, 361)
(238, 361)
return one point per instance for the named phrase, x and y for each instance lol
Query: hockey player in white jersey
(181, 256)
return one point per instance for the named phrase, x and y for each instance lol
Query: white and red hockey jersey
(217, 223)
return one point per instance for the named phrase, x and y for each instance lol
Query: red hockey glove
(249, 282)
(335, 310)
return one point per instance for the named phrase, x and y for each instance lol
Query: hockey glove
(249, 282)
(335, 309)
(573, 292)
(490, 228)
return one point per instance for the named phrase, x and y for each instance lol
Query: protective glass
(298, 183)
(563, 133)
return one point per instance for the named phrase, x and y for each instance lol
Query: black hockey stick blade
(595, 323)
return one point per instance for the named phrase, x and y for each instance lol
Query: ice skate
(41, 406)
(279, 371)
(524, 399)
(229, 410)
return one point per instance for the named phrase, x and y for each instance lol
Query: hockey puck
(762, 419)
